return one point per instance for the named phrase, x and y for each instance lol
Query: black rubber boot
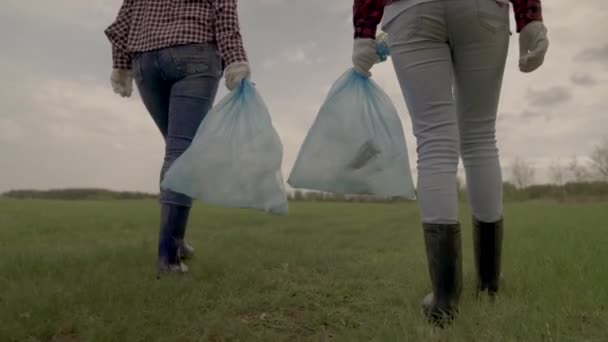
(173, 223)
(487, 241)
(185, 250)
(444, 254)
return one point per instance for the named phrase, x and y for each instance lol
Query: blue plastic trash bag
(356, 144)
(235, 157)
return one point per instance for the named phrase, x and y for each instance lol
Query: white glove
(364, 55)
(235, 73)
(533, 45)
(122, 82)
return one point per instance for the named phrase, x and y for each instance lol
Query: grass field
(85, 271)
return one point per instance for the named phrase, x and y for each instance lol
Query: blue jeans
(178, 86)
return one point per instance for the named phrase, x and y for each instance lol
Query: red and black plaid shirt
(150, 25)
(367, 14)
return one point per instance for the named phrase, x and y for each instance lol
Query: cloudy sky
(61, 125)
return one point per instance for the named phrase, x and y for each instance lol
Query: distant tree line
(512, 192)
(572, 181)
(78, 194)
(595, 170)
(592, 191)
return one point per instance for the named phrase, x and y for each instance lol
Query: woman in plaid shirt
(176, 50)
(449, 56)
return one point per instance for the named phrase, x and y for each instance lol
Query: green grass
(85, 271)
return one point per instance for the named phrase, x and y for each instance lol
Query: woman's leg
(480, 39)
(153, 89)
(195, 71)
(422, 59)
(155, 92)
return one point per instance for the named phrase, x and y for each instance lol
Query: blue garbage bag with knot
(356, 144)
(235, 157)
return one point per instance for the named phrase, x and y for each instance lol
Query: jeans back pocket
(493, 15)
(196, 59)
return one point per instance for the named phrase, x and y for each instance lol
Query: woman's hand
(533, 45)
(364, 55)
(122, 82)
(235, 73)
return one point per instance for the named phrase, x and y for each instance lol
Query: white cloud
(84, 14)
(297, 56)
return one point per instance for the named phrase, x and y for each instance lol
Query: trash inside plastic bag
(382, 49)
(356, 144)
(235, 158)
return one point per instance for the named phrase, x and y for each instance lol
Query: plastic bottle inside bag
(370, 150)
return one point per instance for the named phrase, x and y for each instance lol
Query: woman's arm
(118, 34)
(367, 14)
(526, 11)
(227, 31)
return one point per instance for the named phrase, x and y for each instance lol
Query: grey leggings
(449, 57)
